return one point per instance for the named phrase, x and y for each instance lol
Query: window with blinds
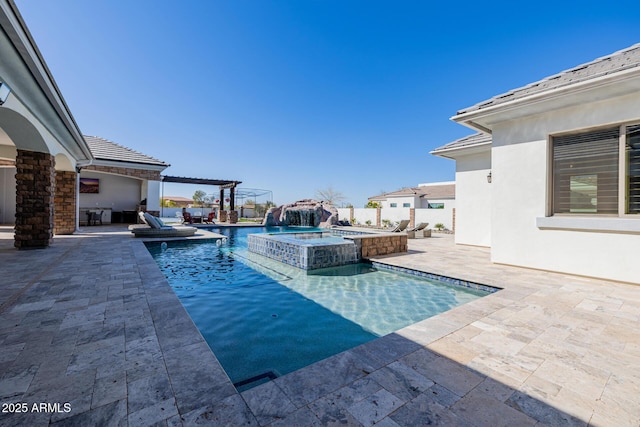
(632, 148)
(585, 172)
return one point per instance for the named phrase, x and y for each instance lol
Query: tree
(372, 204)
(329, 196)
(262, 209)
(199, 197)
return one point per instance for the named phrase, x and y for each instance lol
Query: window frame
(622, 170)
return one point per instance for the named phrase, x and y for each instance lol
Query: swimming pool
(264, 319)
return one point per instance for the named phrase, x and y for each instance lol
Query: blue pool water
(260, 316)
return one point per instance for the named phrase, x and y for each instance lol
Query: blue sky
(296, 96)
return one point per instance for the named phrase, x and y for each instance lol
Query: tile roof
(103, 149)
(616, 62)
(444, 191)
(467, 141)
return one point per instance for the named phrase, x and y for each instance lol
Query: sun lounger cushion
(153, 221)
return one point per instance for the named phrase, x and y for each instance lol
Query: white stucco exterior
(473, 199)
(7, 197)
(120, 193)
(520, 197)
(513, 213)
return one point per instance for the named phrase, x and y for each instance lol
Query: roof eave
(130, 165)
(453, 153)
(483, 119)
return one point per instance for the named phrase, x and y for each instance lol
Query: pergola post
(233, 215)
(222, 215)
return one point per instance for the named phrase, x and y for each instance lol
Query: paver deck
(92, 323)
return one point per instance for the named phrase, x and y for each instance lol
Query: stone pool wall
(294, 251)
(371, 245)
(303, 255)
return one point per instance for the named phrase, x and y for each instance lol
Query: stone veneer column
(64, 220)
(378, 216)
(35, 181)
(233, 217)
(412, 217)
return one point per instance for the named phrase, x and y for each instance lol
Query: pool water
(264, 319)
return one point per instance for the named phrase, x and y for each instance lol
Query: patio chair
(411, 232)
(156, 228)
(401, 227)
(210, 218)
(187, 218)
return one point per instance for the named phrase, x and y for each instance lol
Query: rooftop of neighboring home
(437, 190)
(178, 199)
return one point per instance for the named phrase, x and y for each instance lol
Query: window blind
(585, 172)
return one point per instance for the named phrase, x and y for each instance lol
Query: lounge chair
(156, 228)
(401, 227)
(411, 232)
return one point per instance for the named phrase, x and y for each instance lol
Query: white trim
(590, 224)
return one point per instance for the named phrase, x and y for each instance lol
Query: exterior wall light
(5, 90)
(489, 177)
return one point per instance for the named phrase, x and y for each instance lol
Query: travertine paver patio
(92, 322)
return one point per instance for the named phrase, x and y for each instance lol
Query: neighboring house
(429, 196)
(552, 181)
(127, 180)
(178, 201)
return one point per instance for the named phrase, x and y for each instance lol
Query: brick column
(64, 201)
(233, 217)
(378, 216)
(35, 181)
(412, 217)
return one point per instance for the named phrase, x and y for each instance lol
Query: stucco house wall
(117, 192)
(473, 199)
(518, 129)
(520, 181)
(7, 195)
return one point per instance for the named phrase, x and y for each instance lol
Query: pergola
(222, 184)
